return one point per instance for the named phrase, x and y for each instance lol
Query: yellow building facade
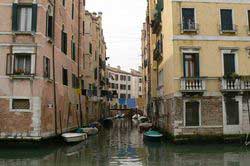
(200, 52)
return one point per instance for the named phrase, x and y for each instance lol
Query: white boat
(74, 137)
(136, 116)
(90, 130)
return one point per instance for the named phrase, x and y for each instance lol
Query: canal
(123, 145)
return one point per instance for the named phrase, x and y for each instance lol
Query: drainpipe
(78, 61)
(53, 63)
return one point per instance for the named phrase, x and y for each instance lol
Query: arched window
(49, 22)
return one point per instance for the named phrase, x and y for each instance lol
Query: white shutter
(28, 19)
(33, 63)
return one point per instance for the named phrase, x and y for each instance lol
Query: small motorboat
(136, 116)
(143, 119)
(145, 126)
(74, 137)
(88, 130)
(152, 135)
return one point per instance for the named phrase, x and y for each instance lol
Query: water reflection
(123, 145)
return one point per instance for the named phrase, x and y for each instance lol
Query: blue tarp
(122, 101)
(131, 103)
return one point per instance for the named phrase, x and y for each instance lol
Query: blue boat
(152, 135)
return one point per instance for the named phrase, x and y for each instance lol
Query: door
(232, 115)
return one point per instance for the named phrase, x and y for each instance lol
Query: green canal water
(123, 145)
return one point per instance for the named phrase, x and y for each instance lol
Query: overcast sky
(122, 24)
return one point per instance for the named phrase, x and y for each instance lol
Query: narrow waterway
(123, 145)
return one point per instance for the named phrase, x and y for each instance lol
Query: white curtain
(25, 19)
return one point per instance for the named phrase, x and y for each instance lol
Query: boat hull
(74, 137)
(152, 139)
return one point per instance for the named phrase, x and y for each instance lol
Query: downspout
(53, 63)
(78, 61)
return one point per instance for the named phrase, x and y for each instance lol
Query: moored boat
(136, 116)
(88, 130)
(152, 135)
(143, 119)
(145, 126)
(74, 137)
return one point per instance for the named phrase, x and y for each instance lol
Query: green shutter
(14, 17)
(197, 67)
(184, 69)
(34, 17)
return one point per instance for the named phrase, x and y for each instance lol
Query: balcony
(193, 84)
(228, 29)
(189, 28)
(156, 20)
(234, 85)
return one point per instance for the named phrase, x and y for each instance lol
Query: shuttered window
(24, 17)
(64, 39)
(248, 19)
(46, 67)
(49, 22)
(226, 19)
(229, 64)
(192, 113)
(65, 76)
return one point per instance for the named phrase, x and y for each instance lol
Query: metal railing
(189, 27)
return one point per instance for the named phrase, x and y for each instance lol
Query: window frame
(65, 81)
(184, 113)
(195, 20)
(20, 110)
(234, 29)
(45, 60)
(229, 51)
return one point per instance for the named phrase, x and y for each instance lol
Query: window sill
(24, 33)
(22, 76)
(225, 32)
(21, 110)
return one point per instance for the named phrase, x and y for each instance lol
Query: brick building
(41, 73)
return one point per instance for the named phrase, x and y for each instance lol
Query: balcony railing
(189, 27)
(228, 29)
(239, 84)
(193, 84)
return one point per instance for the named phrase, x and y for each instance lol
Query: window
(229, 64)
(129, 96)
(129, 78)
(226, 20)
(83, 28)
(129, 87)
(83, 2)
(116, 77)
(21, 104)
(63, 2)
(140, 88)
(248, 20)
(191, 65)
(122, 95)
(22, 64)
(72, 9)
(65, 76)
(188, 19)
(73, 49)
(90, 48)
(192, 113)
(95, 73)
(64, 39)
(75, 81)
(49, 22)
(24, 17)
(46, 67)
(140, 80)
(123, 87)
